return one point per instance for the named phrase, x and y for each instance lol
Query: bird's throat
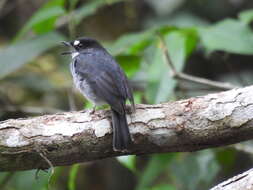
(74, 54)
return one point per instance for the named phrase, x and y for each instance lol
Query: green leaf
(49, 24)
(16, 55)
(156, 165)
(43, 20)
(163, 187)
(129, 63)
(180, 45)
(228, 35)
(128, 162)
(159, 82)
(72, 177)
(131, 43)
(138, 97)
(54, 3)
(226, 157)
(164, 30)
(246, 16)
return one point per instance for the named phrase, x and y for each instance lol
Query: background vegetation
(207, 38)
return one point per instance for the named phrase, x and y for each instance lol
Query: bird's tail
(121, 136)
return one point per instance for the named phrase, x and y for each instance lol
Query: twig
(48, 161)
(51, 166)
(71, 18)
(216, 84)
(182, 76)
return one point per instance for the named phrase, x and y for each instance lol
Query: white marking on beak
(73, 55)
(76, 42)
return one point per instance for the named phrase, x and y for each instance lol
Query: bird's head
(82, 44)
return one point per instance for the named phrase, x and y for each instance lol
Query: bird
(102, 81)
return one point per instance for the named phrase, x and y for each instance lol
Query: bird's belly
(89, 94)
(84, 87)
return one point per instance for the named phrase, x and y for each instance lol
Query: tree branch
(187, 125)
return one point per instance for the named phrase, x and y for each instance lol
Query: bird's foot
(121, 150)
(129, 109)
(93, 110)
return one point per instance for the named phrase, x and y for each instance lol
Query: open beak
(68, 44)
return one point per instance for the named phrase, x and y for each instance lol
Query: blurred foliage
(72, 177)
(20, 53)
(26, 180)
(203, 167)
(156, 165)
(35, 79)
(44, 19)
(221, 36)
(246, 16)
(128, 161)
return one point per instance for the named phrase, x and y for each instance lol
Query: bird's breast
(83, 85)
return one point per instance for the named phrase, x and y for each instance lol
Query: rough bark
(187, 125)
(242, 181)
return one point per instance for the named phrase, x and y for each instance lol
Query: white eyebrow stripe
(76, 42)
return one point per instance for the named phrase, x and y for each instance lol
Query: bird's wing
(123, 85)
(106, 89)
(107, 78)
(120, 81)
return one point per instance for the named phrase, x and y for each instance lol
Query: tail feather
(121, 136)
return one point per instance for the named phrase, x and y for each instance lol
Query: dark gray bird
(101, 80)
